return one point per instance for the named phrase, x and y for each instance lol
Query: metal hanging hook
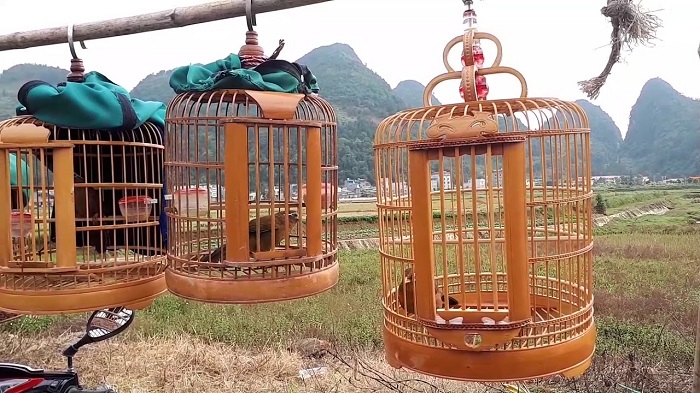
(71, 45)
(250, 15)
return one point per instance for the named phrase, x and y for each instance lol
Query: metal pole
(177, 17)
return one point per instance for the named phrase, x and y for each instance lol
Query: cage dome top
(477, 117)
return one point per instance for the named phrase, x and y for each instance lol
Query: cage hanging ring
(250, 15)
(507, 70)
(71, 45)
(427, 93)
(477, 35)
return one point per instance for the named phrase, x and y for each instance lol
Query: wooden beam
(177, 17)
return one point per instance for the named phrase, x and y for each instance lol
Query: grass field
(647, 288)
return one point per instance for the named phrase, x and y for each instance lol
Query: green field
(647, 288)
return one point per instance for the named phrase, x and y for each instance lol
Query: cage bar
(237, 181)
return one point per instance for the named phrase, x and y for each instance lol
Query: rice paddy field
(647, 292)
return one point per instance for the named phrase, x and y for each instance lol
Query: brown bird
(265, 224)
(406, 289)
(86, 206)
(440, 300)
(405, 292)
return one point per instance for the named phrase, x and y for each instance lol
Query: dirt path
(659, 208)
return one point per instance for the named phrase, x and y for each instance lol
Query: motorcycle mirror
(102, 325)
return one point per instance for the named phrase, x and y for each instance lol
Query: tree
(600, 205)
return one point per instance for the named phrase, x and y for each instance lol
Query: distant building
(480, 184)
(350, 185)
(435, 181)
(395, 188)
(497, 178)
(606, 179)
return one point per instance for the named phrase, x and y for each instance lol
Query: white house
(480, 184)
(446, 181)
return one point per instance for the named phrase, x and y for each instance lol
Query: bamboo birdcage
(65, 244)
(499, 246)
(272, 154)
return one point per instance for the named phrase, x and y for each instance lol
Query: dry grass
(187, 364)
(647, 287)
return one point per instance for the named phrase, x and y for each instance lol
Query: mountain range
(663, 138)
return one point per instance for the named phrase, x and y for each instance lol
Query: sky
(553, 43)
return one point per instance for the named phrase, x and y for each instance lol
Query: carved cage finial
(473, 86)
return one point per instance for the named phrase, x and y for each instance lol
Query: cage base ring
(137, 295)
(244, 291)
(570, 358)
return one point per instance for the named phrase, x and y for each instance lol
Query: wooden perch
(177, 17)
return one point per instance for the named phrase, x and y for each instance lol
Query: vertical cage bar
(236, 169)
(272, 192)
(514, 204)
(287, 182)
(422, 211)
(5, 200)
(65, 207)
(313, 191)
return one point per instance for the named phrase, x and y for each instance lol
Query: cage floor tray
(72, 293)
(521, 359)
(236, 285)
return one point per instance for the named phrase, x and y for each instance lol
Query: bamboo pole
(177, 17)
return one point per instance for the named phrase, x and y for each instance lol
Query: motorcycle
(102, 325)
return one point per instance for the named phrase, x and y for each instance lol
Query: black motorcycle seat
(12, 370)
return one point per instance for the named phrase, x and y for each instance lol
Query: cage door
(464, 301)
(23, 224)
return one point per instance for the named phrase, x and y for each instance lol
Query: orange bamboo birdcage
(486, 207)
(66, 245)
(258, 148)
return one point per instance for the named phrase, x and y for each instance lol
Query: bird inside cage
(405, 292)
(96, 164)
(86, 202)
(265, 223)
(87, 207)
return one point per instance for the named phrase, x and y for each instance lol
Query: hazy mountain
(606, 139)
(155, 87)
(14, 77)
(663, 136)
(411, 93)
